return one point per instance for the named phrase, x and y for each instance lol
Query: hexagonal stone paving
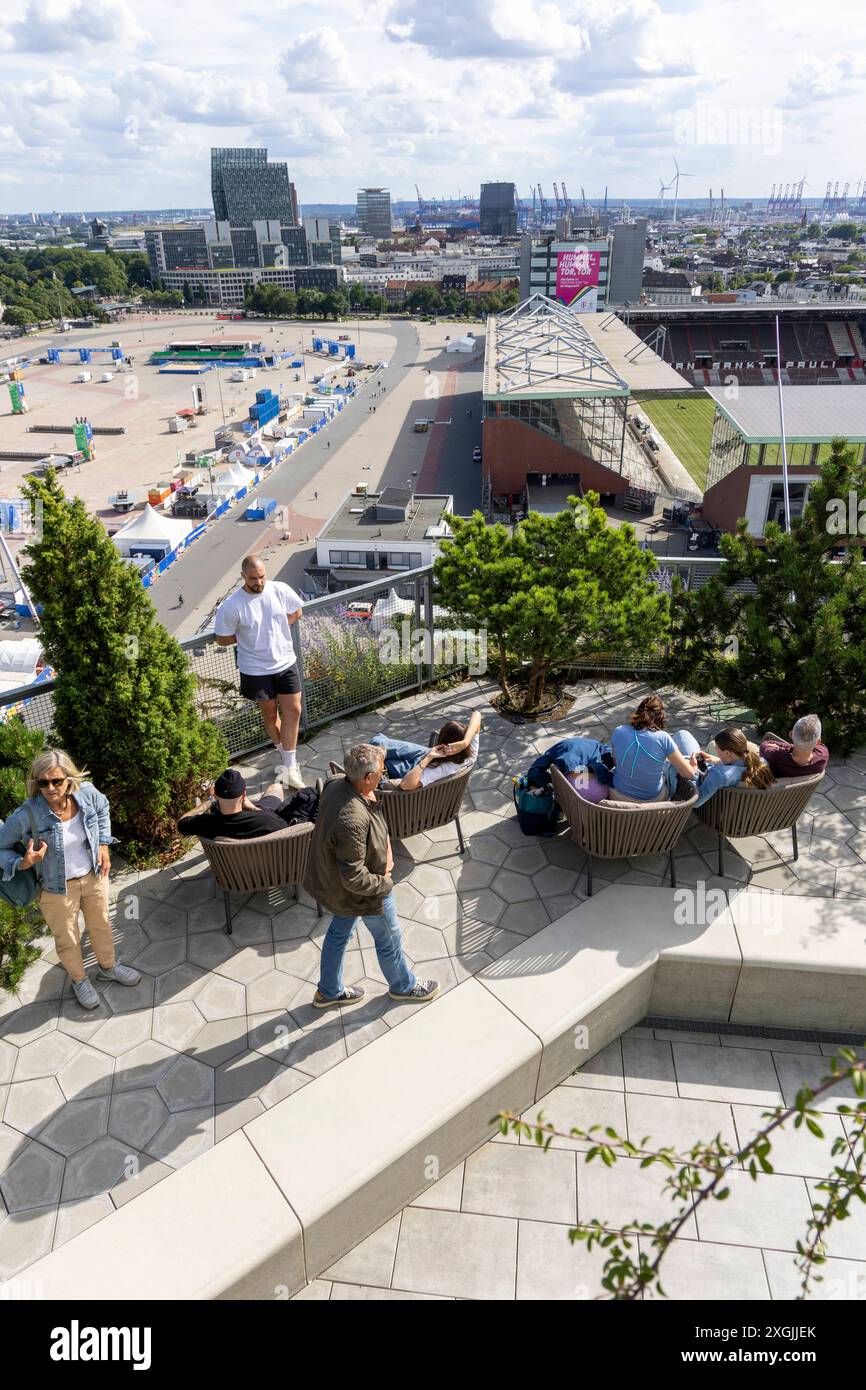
(33, 1179)
(135, 1116)
(74, 1127)
(222, 1026)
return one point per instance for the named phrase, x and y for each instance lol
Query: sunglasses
(52, 781)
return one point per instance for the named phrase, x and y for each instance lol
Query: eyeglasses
(52, 781)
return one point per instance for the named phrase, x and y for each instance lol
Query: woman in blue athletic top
(642, 750)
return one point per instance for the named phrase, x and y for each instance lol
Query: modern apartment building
(498, 209)
(323, 240)
(225, 288)
(374, 212)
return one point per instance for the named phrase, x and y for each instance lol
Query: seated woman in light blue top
(736, 765)
(645, 754)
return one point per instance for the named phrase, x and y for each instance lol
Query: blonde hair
(54, 757)
(757, 773)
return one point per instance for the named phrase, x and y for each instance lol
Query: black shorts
(259, 688)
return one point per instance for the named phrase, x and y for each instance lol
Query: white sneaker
(290, 777)
(120, 974)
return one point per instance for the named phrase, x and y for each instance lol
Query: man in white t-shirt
(257, 617)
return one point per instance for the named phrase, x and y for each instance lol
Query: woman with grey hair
(803, 756)
(66, 829)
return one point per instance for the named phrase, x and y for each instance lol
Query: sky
(113, 104)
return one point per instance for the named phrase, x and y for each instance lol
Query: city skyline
(95, 111)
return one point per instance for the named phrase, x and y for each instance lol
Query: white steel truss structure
(541, 349)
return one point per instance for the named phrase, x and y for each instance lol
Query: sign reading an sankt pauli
(577, 279)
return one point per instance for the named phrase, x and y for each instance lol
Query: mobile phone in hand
(701, 762)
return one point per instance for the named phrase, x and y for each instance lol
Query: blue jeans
(384, 927)
(400, 757)
(687, 744)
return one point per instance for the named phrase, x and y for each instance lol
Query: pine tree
(554, 589)
(796, 643)
(124, 702)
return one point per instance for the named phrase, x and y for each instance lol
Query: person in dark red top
(803, 756)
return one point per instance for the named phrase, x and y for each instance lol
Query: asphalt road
(217, 557)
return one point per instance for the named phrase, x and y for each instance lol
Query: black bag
(537, 811)
(304, 806)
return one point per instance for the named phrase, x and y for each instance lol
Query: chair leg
(295, 891)
(318, 909)
(673, 871)
(228, 910)
(721, 856)
(460, 835)
(589, 875)
(794, 840)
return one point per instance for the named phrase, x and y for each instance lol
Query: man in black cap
(231, 814)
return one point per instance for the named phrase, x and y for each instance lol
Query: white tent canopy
(18, 662)
(151, 528)
(464, 344)
(235, 474)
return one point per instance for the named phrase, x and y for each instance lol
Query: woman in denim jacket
(72, 827)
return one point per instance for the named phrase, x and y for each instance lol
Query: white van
(84, 376)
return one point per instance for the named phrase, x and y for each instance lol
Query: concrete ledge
(277, 1203)
(351, 1149)
(218, 1228)
(804, 963)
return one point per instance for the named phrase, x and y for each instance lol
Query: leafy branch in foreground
(699, 1176)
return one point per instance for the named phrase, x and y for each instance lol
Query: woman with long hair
(642, 750)
(65, 828)
(415, 766)
(737, 763)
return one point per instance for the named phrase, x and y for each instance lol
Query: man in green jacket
(349, 871)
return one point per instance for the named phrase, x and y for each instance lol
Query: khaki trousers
(90, 896)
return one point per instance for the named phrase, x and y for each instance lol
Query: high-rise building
(296, 211)
(374, 212)
(246, 188)
(586, 272)
(498, 209)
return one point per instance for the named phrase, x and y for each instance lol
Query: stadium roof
(542, 350)
(813, 414)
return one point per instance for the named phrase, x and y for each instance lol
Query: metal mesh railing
(355, 650)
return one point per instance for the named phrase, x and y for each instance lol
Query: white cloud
(59, 26)
(317, 61)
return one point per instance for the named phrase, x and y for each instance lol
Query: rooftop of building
(395, 514)
(540, 350)
(813, 415)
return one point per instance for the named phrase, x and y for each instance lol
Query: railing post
(295, 630)
(419, 659)
(427, 581)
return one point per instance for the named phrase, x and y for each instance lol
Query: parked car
(476, 455)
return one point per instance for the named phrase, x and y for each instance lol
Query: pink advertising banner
(577, 279)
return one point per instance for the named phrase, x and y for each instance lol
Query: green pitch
(686, 422)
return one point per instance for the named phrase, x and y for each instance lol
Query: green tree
(845, 231)
(124, 703)
(18, 925)
(357, 296)
(18, 317)
(376, 304)
(554, 589)
(187, 292)
(797, 644)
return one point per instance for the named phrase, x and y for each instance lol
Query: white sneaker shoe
(120, 974)
(290, 777)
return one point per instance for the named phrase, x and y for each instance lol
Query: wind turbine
(675, 184)
(663, 188)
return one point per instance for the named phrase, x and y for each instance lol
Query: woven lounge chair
(425, 808)
(623, 829)
(735, 812)
(270, 861)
